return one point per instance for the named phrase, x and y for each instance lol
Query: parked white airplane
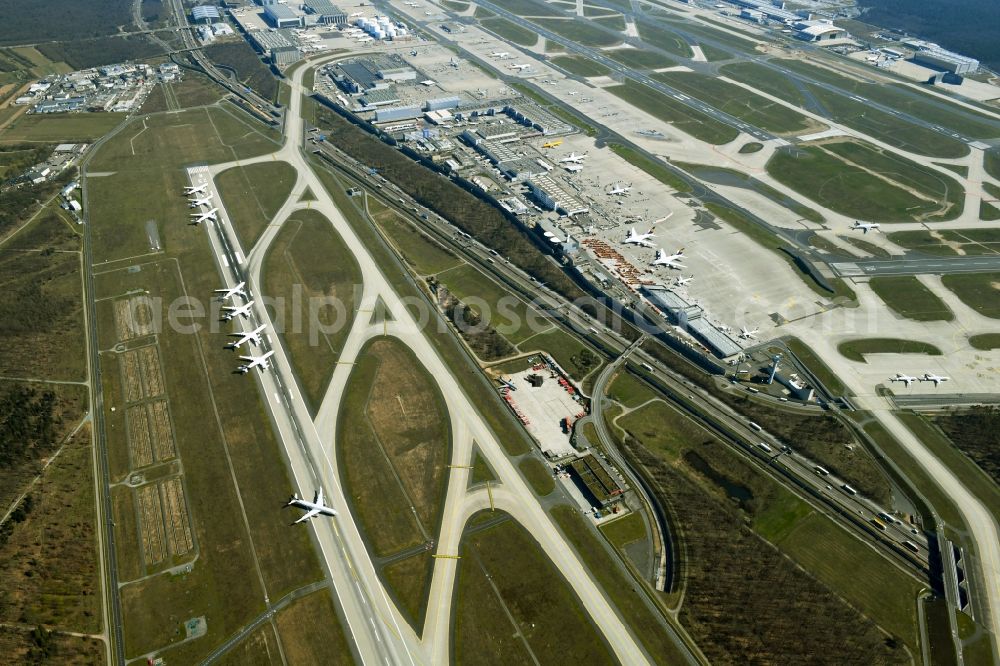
(233, 311)
(906, 379)
(259, 362)
(573, 168)
(669, 260)
(931, 377)
(639, 239)
(865, 227)
(197, 189)
(197, 203)
(620, 189)
(747, 334)
(499, 54)
(681, 281)
(245, 337)
(238, 290)
(520, 68)
(315, 508)
(201, 217)
(574, 158)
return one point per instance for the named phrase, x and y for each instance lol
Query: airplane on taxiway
(865, 227)
(639, 239)
(315, 508)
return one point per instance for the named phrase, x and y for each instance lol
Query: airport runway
(927, 266)
(385, 637)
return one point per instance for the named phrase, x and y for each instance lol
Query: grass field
(739, 102)
(258, 649)
(308, 266)
(765, 79)
(629, 391)
(664, 39)
(669, 110)
(513, 606)
(394, 445)
(509, 31)
(185, 138)
(977, 290)
(751, 147)
(580, 31)
(298, 622)
(625, 530)
(61, 127)
(252, 196)
(656, 169)
(407, 581)
(422, 253)
(887, 594)
(865, 246)
(985, 341)
(988, 212)
(580, 66)
(991, 162)
(732, 177)
(231, 460)
(538, 475)
(21, 645)
(907, 296)
(639, 59)
(950, 242)
(510, 316)
(858, 180)
(855, 350)
(576, 358)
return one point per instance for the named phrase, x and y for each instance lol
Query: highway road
(921, 266)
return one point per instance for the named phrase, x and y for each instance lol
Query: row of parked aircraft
(927, 377)
(318, 506)
(206, 202)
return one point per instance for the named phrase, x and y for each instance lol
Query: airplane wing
(319, 497)
(312, 513)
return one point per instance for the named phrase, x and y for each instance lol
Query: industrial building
(691, 318)
(932, 55)
(393, 113)
(325, 12)
(282, 16)
(773, 10)
(285, 55)
(205, 14)
(818, 31)
(552, 196)
(595, 482)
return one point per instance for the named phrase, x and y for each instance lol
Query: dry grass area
(394, 448)
(133, 318)
(409, 418)
(175, 511)
(154, 545)
(139, 447)
(25, 645)
(258, 649)
(302, 622)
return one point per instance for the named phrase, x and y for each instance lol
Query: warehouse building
(408, 112)
(818, 31)
(595, 482)
(550, 195)
(205, 14)
(326, 13)
(282, 16)
(285, 55)
(931, 55)
(691, 318)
